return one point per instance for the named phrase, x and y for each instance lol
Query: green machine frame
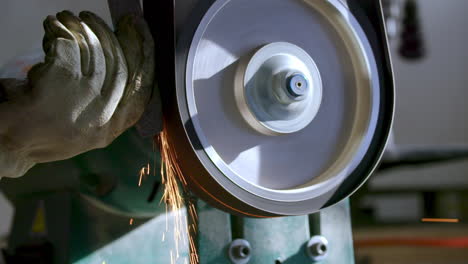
(83, 225)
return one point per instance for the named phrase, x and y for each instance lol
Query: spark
(145, 171)
(131, 221)
(140, 179)
(192, 230)
(440, 220)
(172, 178)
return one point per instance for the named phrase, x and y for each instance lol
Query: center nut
(297, 86)
(278, 89)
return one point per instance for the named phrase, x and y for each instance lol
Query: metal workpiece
(239, 251)
(317, 248)
(233, 109)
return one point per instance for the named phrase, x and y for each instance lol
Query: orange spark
(440, 220)
(131, 221)
(141, 178)
(171, 175)
(143, 172)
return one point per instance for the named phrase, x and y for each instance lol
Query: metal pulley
(280, 107)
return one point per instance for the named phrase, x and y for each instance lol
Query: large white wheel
(278, 103)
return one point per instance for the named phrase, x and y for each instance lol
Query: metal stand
(99, 236)
(280, 240)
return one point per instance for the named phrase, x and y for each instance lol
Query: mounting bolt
(239, 251)
(297, 86)
(317, 248)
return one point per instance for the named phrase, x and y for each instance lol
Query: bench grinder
(273, 108)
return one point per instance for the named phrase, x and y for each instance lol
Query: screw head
(297, 85)
(242, 251)
(317, 248)
(239, 251)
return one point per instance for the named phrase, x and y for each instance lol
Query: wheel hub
(279, 90)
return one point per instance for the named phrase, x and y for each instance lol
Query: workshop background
(431, 110)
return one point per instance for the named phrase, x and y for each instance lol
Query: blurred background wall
(431, 109)
(21, 22)
(431, 94)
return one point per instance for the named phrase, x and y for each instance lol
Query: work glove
(91, 87)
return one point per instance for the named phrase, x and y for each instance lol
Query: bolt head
(239, 251)
(242, 251)
(297, 85)
(317, 248)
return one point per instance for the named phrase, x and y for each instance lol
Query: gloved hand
(92, 86)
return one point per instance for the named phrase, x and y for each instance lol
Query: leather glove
(92, 86)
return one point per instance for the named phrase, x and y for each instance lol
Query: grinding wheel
(280, 106)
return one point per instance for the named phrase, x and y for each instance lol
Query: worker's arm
(91, 87)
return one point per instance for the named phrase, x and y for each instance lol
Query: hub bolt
(297, 85)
